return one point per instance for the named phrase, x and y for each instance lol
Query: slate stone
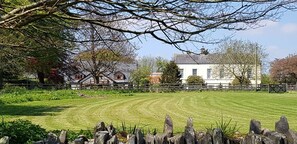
(178, 139)
(111, 130)
(139, 136)
(131, 139)
(217, 136)
(83, 138)
(252, 138)
(266, 132)
(113, 140)
(291, 137)
(63, 137)
(149, 139)
(52, 138)
(4, 140)
(266, 140)
(189, 134)
(101, 137)
(100, 127)
(161, 139)
(282, 126)
(255, 126)
(168, 126)
(203, 138)
(78, 141)
(278, 138)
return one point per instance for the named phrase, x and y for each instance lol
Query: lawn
(148, 110)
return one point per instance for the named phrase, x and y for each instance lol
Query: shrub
(229, 129)
(246, 81)
(195, 80)
(22, 131)
(12, 89)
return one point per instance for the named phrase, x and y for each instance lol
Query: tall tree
(237, 58)
(170, 21)
(284, 70)
(102, 51)
(171, 74)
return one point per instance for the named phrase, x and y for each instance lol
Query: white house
(204, 66)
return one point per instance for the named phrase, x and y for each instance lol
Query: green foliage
(22, 131)
(195, 80)
(171, 74)
(140, 76)
(72, 135)
(265, 79)
(244, 81)
(16, 90)
(229, 129)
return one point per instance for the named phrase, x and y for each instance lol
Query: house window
(119, 76)
(194, 72)
(249, 74)
(222, 74)
(208, 73)
(181, 72)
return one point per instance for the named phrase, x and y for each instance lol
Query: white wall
(214, 78)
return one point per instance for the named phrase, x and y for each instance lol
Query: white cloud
(290, 28)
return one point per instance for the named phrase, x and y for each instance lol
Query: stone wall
(107, 135)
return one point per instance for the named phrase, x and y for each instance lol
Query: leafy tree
(171, 74)
(170, 21)
(195, 80)
(237, 58)
(140, 76)
(266, 79)
(284, 70)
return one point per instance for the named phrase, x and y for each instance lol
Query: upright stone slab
(282, 126)
(63, 137)
(149, 139)
(100, 127)
(252, 138)
(111, 130)
(278, 138)
(178, 139)
(131, 139)
(255, 126)
(189, 134)
(113, 140)
(139, 137)
(168, 126)
(101, 137)
(52, 138)
(161, 139)
(217, 136)
(4, 140)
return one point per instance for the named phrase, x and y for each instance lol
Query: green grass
(148, 110)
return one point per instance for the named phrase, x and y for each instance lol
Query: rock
(255, 126)
(113, 140)
(282, 126)
(217, 136)
(52, 138)
(149, 139)
(111, 130)
(139, 137)
(101, 137)
(189, 134)
(83, 138)
(252, 138)
(100, 127)
(63, 137)
(204, 138)
(131, 139)
(266, 140)
(4, 140)
(291, 137)
(161, 139)
(78, 141)
(266, 132)
(178, 139)
(278, 138)
(168, 126)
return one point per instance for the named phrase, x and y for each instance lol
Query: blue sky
(279, 39)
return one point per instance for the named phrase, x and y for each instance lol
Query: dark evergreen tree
(171, 74)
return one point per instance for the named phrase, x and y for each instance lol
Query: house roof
(194, 59)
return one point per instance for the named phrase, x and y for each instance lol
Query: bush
(195, 80)
(12, 89)
(22, 131)
(245, 81)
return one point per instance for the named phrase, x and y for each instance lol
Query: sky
(278, 38)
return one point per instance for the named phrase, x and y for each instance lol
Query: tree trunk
(40, 76)
(96, 79)
(1, 79)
